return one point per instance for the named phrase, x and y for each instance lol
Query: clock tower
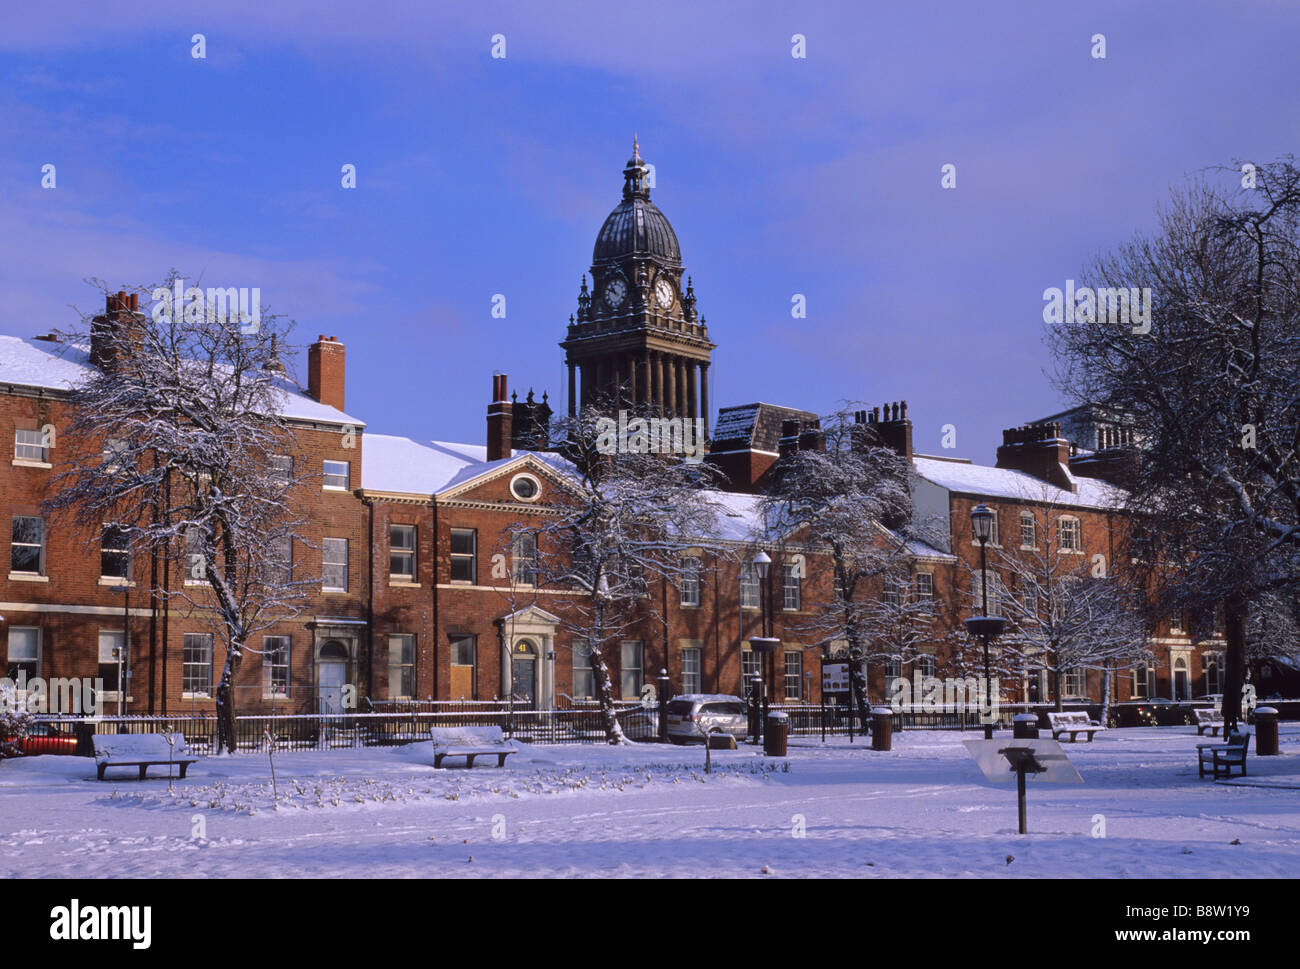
(637, 337)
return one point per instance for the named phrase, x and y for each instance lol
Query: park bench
(1207, 718)
(1073, 724)
(142, 751)
(470, 742)
(1222, 758)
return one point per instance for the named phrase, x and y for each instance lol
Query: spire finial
(636, 148)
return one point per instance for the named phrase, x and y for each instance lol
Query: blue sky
(478, 176)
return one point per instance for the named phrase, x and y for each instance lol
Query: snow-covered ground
(922, 809)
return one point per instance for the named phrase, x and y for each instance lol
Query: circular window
(525, 487)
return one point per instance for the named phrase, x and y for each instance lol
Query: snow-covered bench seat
(1073, 724)
(470, 742)
(1207, 718)
(1222, 758)
(142, 751)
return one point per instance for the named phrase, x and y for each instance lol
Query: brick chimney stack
(500, 420)
(112, 326)
(1038, 450)
(325, 371)
(891, 425)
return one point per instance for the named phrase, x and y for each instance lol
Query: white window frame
(523, 560)
(188, 681)
(924, 590)
(105, 549)
(37, 451)
(791, 588)
(584, 681)
(1069, 525)
(1144, 681)
(39, 546)
(692, 668)
(1075, 681)
(1212, 660)
(325, 552)
(995, 593)
(690, 583)
(401, 661)
(1030, 523)
(271, 645)
(751, 587)
(796, 677)
(282, 467)
(750, 663)
(35, 660)
(328, 477)
(118, 641)
(404, 552)
(471, 556)
(635, 669)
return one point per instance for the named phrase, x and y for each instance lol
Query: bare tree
(629, 519)
(1210, 377)
(1065, 612)
(850, 498)
(178, 443)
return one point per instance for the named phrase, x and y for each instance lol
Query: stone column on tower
(704, 396)
(692, 405)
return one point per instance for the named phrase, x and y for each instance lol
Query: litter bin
(1265, 731)
(882, 728)
(775, 732)
(1024, 726)
(85, 734)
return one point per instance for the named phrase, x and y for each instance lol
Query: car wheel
(1112, 721)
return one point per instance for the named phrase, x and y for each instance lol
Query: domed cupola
(636, 227)
(637, 338)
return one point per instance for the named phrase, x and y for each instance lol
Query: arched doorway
(523, 673)
(331, 676)
(1182, 684)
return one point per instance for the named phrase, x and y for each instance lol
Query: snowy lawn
(922, 809)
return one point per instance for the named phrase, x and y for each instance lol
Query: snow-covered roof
(982, 480)
(403, 465)
(46, 365)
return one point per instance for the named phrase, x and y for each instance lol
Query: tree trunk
(858, 684)
(1105, 695)
(1056, 688)
(604, 684)
(1234, 659)
(226, 700)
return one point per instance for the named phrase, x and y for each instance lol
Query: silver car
(692, 715)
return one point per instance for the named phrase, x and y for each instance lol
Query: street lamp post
(984, 626)
(766, 645)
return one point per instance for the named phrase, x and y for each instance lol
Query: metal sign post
(1043, 758)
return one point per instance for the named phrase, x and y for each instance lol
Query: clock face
(664, 293)
(615, 291)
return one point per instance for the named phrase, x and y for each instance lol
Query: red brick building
(419, 594)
